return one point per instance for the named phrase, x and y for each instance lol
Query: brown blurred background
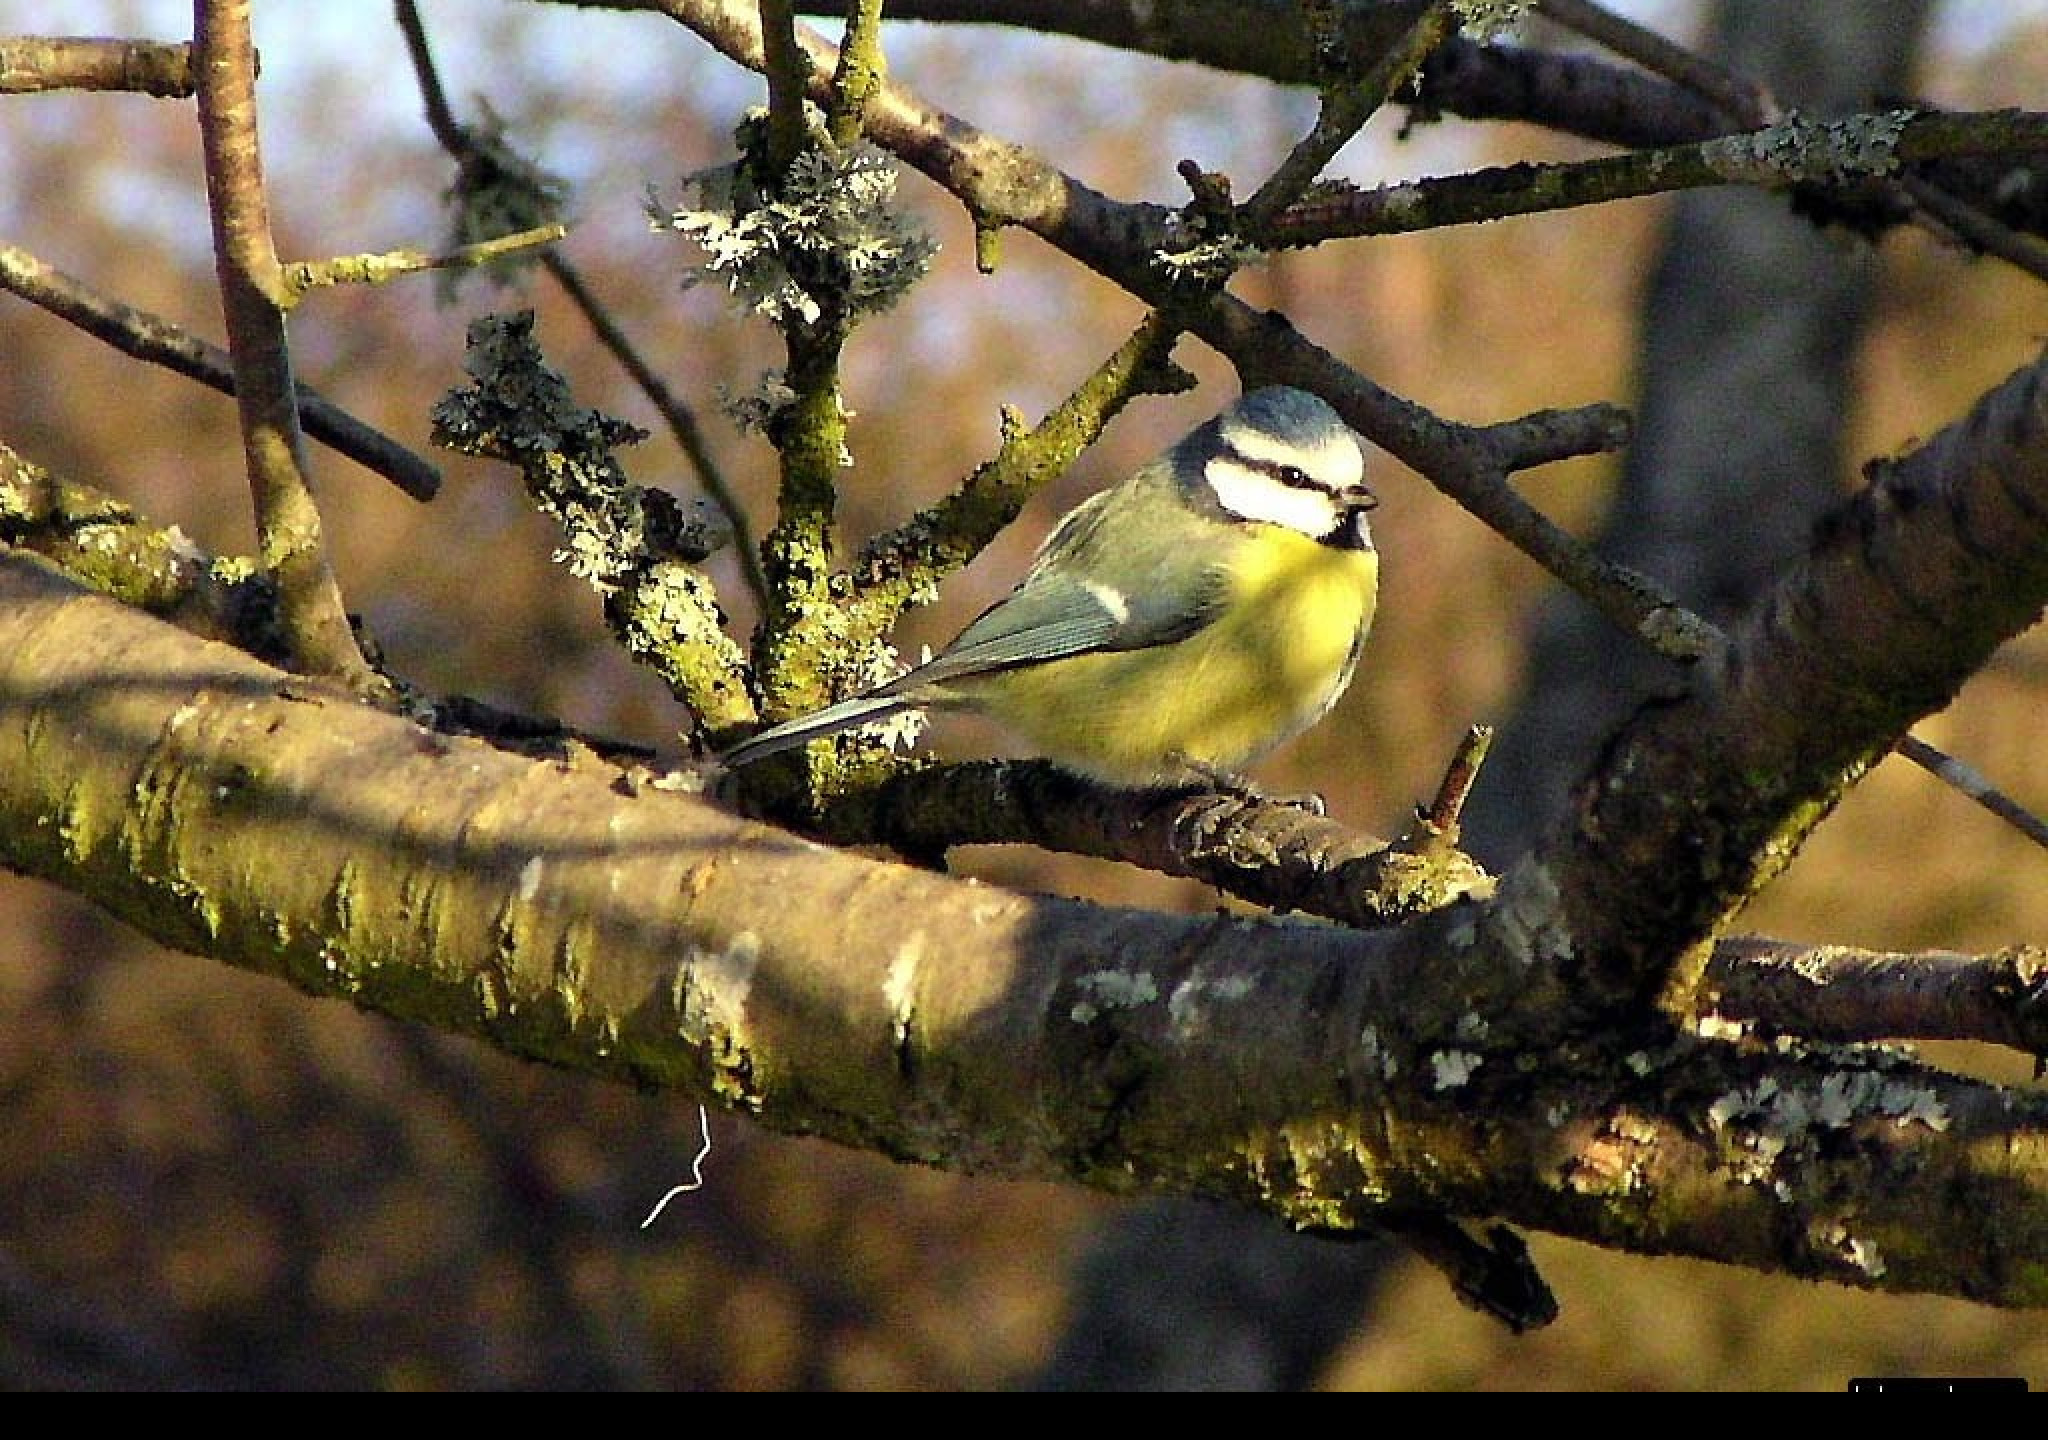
(211, 1180)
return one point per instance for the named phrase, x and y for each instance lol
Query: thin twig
(289, 541)
(941, 539)
(376, 269)
(1748, 104)
(1745, 103)
(454, 137)
(150, 337)
(1979, 230)
(1434, 838)
(1793, 153)
(788, 71)
(859, 73)
(1345, 109)
(1969, 782)
(1459, 777)
(31, 63)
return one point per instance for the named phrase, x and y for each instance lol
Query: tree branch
(1271, 854)
(1795, 152)
(384, 266)
(226, 809)
(1699, 802)
(102, 542)
(160, 342)
(254, 298)
(637, 548)
(1838, 992)
(31, 63)
(1731, 94)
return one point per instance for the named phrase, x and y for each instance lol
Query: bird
(1173, 627)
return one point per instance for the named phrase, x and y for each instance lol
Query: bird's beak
(1354, 501)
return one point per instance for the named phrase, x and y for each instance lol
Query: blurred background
(212, 1180)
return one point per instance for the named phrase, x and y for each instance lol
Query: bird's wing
(1060, 609)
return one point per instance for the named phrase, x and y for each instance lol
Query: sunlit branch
(31, 63)
(386, 265)
(254, 298)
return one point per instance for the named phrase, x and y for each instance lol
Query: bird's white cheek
(1246, 492)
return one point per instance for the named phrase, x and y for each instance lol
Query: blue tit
(1176, 626)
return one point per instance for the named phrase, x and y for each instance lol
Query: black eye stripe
(1292, 476)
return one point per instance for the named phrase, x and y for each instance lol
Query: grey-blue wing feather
(1061, 607)
(1046, 619)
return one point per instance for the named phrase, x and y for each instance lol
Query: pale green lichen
(1834, 1238)
(899, 985)
(825, 236)
(1764, 1121)
(1376, 1052)
(1208, 262)
(1799, 150)
(1190, 1005)
(1453, 1069)
(1369, 1045)
(1112, 990)
(1528, 916)
(1490, 19)
(1677, 632)
(709, 996)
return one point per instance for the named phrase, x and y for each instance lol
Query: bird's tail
(846, 715)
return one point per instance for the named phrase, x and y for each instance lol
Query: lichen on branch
(636, 547)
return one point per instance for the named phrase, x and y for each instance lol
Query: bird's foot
(1225, 782)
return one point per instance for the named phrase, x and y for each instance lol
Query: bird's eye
(1294, 477)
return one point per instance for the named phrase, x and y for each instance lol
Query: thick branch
(1699, 802)
(225, 808)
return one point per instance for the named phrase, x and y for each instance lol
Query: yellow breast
(1269, 668)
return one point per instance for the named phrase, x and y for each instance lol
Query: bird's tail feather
(846, 715)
